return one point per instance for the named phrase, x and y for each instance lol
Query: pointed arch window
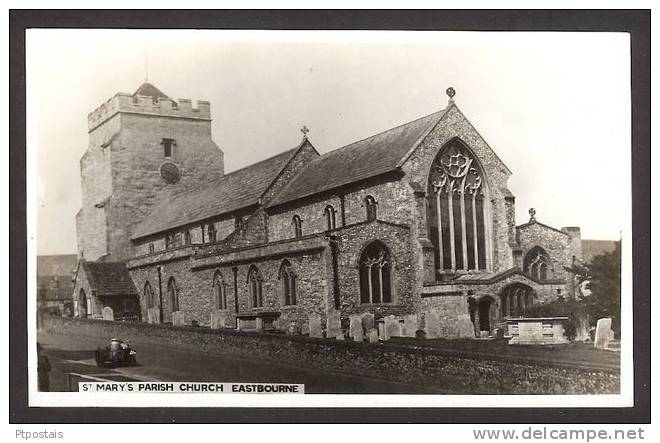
(219, 291)
(288, 283)
(370, 204)
(255, 287)
(456, 210)
(173, 294)
(515, 300)
(537, 263)
(297, 226)
(83, 304)
(375, 274)
(149, 295)
(330, 217)
(212, 233)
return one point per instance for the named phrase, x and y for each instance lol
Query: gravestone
(178, 318)
(582, 329)
(333, 328)
(410, 325)
(604, 333)
(368, 322)
(304, 329)
(153, 315)
(315, 328)
(372, 335)
(381, 330)
(355, 330)
(108, 314)
(464, 326)
(392, 326)
(432, 324)
(218, 319)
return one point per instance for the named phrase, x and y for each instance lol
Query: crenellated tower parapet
(143, 104)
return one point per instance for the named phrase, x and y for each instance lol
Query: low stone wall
(426, 367)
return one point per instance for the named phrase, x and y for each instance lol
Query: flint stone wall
(386, 361)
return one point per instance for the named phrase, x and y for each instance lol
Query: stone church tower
(142, 147)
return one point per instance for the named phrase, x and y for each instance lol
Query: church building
(413, 219)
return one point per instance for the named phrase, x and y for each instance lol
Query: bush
(575, 311)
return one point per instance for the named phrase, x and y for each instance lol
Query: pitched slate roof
(150, 90)
(49, 265)
(109, 278)
(363, 159)
(238, 189)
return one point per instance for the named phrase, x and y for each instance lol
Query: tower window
(168, 147)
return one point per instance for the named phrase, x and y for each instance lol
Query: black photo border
(635, 22)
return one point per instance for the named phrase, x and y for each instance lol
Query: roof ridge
(381, 132)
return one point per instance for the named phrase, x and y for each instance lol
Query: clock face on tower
(170, 173)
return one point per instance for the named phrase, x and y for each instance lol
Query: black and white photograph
(329, 218)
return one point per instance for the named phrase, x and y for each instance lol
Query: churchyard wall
(423, 366)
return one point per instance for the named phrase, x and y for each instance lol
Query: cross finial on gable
(304, 130)
(451, 92)
(532, 214)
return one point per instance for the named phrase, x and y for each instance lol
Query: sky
(555, 107)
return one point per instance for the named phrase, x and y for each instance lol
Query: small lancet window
(370, 203)
(330, 217)
(212, 233)
(297, 226)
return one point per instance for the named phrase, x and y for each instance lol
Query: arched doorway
(483, 313)
(82, 303)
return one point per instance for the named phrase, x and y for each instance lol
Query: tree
(602, 278)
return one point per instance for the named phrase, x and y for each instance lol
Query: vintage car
(118, 353)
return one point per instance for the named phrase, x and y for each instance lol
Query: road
(159, 363)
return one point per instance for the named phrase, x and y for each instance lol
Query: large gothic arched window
(375, 274)
(537, 263)
(457, 210)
